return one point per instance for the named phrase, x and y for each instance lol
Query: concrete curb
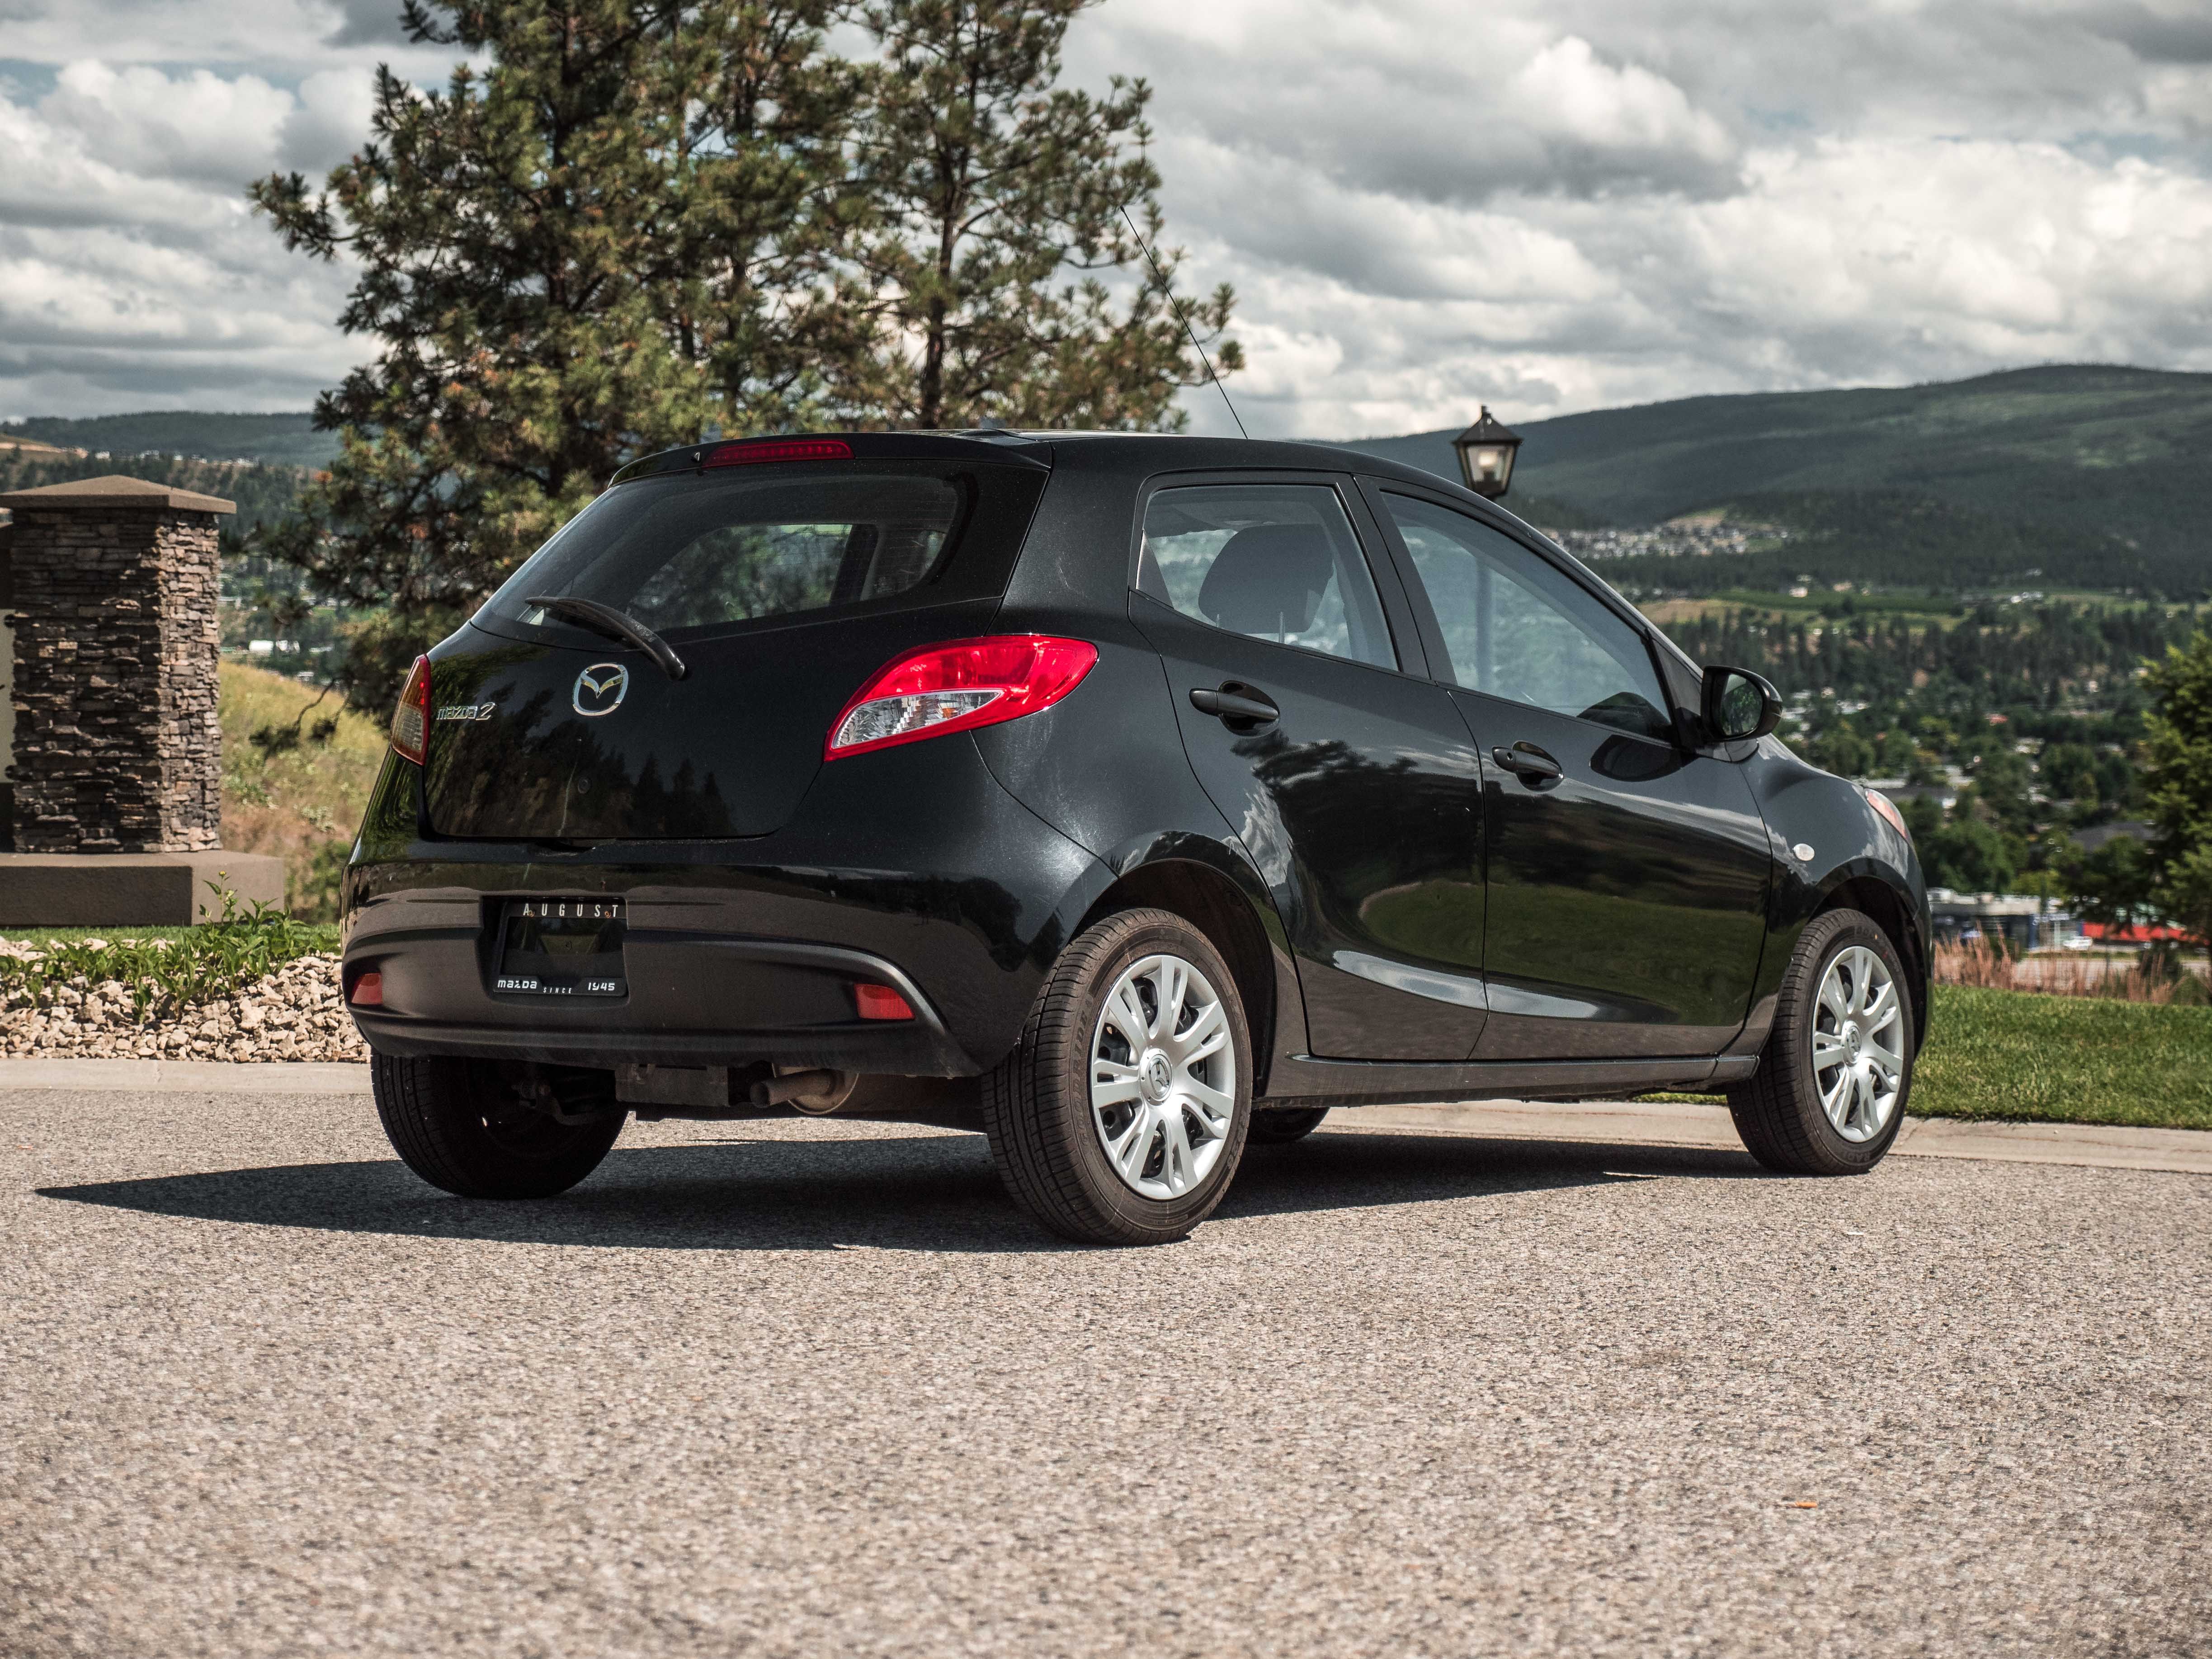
(1620, 1124)
(1628, 1123)
(189, 1077)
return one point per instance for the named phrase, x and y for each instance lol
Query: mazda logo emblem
(600, 689)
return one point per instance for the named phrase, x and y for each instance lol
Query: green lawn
(2027, 1058)
(2068, 1060)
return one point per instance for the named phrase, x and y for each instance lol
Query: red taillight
(368, 992)
(881, 1002)
(758, 451)
(957, 687)
(410, 721)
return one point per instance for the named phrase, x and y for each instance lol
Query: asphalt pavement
(802, 1388)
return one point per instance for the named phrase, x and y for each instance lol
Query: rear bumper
(910, 868)
(793, 1002)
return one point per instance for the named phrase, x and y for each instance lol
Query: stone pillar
(117, 748)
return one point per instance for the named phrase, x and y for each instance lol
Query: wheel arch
(1213, 901)
(1889, 910)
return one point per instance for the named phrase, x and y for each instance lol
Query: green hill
(284, 440)
(1898, 540)
(263, 493)
(2102, 470)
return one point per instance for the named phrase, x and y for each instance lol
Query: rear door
(1627, 874)
(1350, 782)
(781, 587)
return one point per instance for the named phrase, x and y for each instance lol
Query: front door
(1627, 872)
(1351, 783)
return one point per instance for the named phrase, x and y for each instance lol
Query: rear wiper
(615, 625)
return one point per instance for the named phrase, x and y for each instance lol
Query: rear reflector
(957, 687)
(410, 721)
(760, 450)
(368, 992)
(881, 1002)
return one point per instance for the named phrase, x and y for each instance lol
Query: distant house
(2120, 828)
(2022, 920)
(1945, 795)
(2134, 934)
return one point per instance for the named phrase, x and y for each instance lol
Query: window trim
(1375, 488)
(1407, 643)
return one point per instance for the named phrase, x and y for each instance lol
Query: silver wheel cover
(1162, 1077)
(1858, 1044)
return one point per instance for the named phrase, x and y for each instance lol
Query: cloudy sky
(1423, 204)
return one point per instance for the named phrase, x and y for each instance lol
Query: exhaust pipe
(817, 1093)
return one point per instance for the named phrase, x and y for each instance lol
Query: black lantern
(1485, 455)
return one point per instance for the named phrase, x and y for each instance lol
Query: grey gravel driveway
(813, 1389)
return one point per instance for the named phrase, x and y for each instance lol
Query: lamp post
(1485, 455)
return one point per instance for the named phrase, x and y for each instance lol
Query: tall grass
(1988, 966)
(301, 801)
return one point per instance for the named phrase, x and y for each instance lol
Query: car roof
(1138, 453)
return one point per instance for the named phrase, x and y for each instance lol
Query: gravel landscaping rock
(293, 1013)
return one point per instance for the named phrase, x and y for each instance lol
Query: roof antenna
(1190, 332)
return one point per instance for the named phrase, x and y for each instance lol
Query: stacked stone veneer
(117, 747)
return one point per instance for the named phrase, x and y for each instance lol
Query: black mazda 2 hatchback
(1130, 798)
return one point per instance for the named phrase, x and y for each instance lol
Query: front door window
(1516, 627)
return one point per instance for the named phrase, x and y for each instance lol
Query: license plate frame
(561, 947)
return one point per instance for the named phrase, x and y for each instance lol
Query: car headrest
(1268, 578)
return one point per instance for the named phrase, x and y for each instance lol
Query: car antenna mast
(1188, 330)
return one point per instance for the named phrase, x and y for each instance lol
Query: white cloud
(1547, 205)
(1565, 92)
(199, 126)
(132, 272)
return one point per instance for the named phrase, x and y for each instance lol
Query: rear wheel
(1279, 1126)
(1121, 1116)
(1830, 1093)
(461, 1125)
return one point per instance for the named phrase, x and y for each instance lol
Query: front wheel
(1120, 1116)
(460, 1126)
(1829, 1096)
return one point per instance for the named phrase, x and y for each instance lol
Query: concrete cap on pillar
(115, 490)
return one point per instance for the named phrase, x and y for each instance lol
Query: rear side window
(701, 553)
(1276, 562)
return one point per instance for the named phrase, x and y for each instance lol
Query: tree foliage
(2178, 778)
(996, 197)
(624, 224)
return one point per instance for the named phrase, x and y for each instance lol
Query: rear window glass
(682, 554)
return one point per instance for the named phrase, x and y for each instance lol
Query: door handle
(1238, 706)
(1528, 763)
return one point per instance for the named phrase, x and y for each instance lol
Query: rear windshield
(694, 553)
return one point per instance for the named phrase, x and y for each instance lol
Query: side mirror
(1740, 704)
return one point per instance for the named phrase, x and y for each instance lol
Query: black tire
(1036, 1102)
(1777, 1112)
(1279, 1126)
(459, 1125)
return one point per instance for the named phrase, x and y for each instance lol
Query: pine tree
(613, 235)
(999, 199)
(2178, 781)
